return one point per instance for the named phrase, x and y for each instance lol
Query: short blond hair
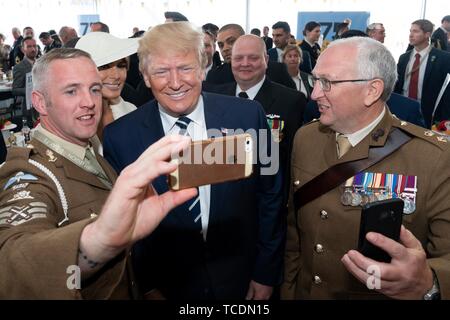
(169, 38)
(292, 47)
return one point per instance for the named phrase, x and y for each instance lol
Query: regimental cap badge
(51, 156)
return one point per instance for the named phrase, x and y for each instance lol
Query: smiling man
(227, 244)
(357, 138)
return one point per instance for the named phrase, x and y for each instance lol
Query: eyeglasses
(325, 84)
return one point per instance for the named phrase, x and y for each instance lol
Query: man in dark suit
(29, 50)
(422, 72)
(238, 252)
(281, 32)
(439, 37)
(267, 40)
(283, 106)
(226, 37)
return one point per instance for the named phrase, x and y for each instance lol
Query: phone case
(213, 161)
(384, 217)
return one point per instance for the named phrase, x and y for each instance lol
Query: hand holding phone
(383, 217)
(213, 161)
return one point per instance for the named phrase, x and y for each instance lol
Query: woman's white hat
(105, 48)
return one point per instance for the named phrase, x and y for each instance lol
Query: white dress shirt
(356, 137)
(251, 92)
(197, 131)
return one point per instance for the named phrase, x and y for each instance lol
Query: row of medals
(354, 196)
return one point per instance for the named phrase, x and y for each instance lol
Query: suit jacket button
(317, 280)
(323, 214)
(319, 248)
(296, 183)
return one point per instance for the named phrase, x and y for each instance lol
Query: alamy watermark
(265, 150)
(374, 280)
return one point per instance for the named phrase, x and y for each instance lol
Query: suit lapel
(430, 63)
(215, 119)
(150, 131)
(265, 96)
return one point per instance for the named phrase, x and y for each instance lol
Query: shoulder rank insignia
(21, 195)
(403, 123)
(429, 133)
(441, 139)
(51, 156)
(20, 176)
(15, 215)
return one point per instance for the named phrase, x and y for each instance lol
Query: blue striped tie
(194, 204)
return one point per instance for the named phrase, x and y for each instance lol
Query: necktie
(194, 214)
(343, 145)
(414, 80)
(92, 163)
(243, 95)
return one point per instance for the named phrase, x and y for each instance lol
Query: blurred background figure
(173, 16)
(376, 31)
(99, 26)
(292, 57)
(267, 40)
(48, 42)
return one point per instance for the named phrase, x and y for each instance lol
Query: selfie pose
(227, 243)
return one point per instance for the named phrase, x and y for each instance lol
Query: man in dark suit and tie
(267, 40)
(422, 72)
(439, 37)
(226, 37)
(283, 106)
(236, 251)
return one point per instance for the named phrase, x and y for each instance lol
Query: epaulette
(16, 153)
(312, 121)
(428, 135)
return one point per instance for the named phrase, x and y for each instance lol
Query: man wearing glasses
(353, 79)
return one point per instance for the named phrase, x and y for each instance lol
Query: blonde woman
(292, 57)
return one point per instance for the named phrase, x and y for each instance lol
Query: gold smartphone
(213, 161)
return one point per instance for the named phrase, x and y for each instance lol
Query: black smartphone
(384, 217)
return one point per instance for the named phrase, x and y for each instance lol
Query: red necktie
(414, 80)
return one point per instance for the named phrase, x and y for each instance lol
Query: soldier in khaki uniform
(353, 79)
(61, 236)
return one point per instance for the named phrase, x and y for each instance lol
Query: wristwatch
(434, 293)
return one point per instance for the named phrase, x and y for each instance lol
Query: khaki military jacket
(45, 202)
(322, 231)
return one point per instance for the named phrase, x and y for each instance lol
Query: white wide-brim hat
(105, 48)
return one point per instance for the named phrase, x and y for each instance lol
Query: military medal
(356, 199)
(364, 199)
(346, 197)
(276, 126)
(409, 206)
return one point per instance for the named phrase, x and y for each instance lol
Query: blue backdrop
(330, 20)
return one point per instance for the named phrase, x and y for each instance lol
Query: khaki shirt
(45, 202)
(313, 272)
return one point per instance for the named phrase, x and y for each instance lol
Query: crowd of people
(90, 193)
